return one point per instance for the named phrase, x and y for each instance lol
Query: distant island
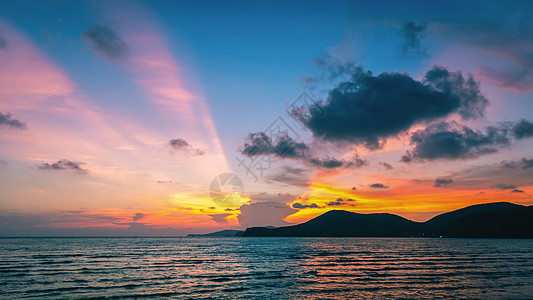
(221, 233)
(224, 233)
(491, 220)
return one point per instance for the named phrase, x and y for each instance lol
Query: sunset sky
(116, 116)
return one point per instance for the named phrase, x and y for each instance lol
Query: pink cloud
(65, 124)
(27, 79)
(124, 157)
(166, 83)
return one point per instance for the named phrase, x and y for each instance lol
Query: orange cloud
(415, 199)
(124, 159)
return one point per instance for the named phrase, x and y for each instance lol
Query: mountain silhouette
(344, 223)
(511, 223)
(438, 224)
(491, 220)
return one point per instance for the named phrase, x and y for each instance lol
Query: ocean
(265, 268)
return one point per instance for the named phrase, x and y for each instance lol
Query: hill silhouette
(344, 223)
(491, 220)
(438, 224)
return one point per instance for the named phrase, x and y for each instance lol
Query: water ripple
(288, 268)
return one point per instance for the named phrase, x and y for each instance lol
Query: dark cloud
(106, 41)
(440, 182)
(369, 109)
(182, 145)
(524, 163)
(472, 102)
(517, 191)
(378, 186)
(331, 163)
(527, 163)
(505, 164)
(326, 163)
(302, 206)
(386, 166)
(449, 140)
(138, 216)
(284, 146)
(354, 188)
(64, 164)
(357, 162)
(522, 129)
(504, 186)
(5, 119)
(411, 34)
(3, 42)
(342, 202)
(335, 203)
(179, 144)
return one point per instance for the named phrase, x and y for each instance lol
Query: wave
(268, 268)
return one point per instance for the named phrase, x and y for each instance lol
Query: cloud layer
(449, 140)
(440, 182)
(452, 141)
(342, 202)
(505, 186)
(106, 41)
(303, 206)
(258, 144)
(182, 145)
(378, 186)
(386, 165)
(5, 119)
(64, 164)
(522, 129)
(527, 163)
(368, 109)
(284, 146)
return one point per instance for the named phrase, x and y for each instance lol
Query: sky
(165, 118)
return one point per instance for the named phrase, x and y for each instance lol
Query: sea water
(265, 268)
